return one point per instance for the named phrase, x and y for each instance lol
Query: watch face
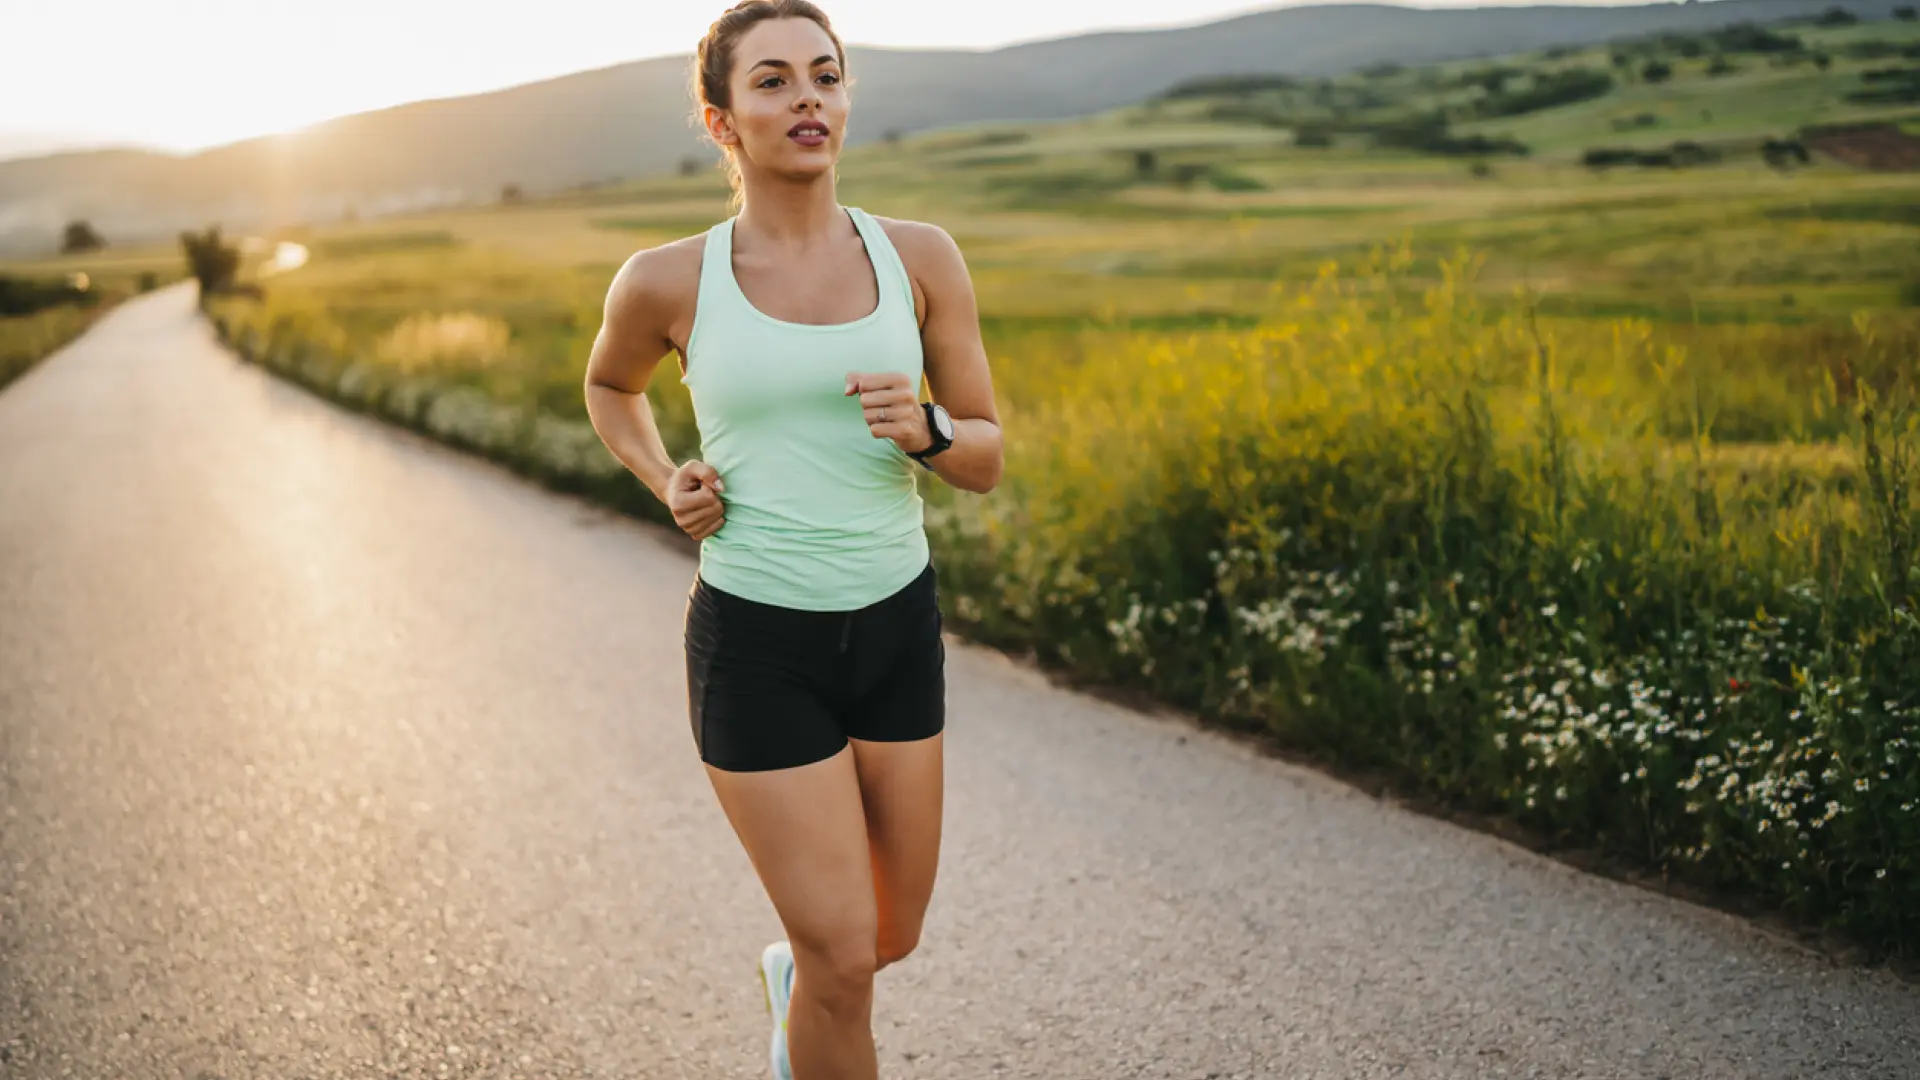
(943, 422)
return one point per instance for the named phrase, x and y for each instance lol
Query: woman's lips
(808, 133)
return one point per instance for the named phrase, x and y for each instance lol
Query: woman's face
(789, 114)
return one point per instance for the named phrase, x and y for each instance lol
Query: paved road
(326, 752)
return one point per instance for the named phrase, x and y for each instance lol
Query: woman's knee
(838, 972)
(895, 945)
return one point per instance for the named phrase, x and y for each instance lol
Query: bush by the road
(212, 262)
(27, 295)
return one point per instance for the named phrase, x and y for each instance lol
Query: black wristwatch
(940, 425)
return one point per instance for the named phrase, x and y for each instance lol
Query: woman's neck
(791, 215)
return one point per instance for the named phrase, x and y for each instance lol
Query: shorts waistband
(924, 582)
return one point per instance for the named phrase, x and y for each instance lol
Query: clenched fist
(693, 496)
(893, 409)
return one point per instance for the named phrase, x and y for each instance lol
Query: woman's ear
(719, 126)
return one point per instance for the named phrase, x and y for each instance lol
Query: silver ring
(883, 414)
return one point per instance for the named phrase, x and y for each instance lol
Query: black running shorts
(772, 687)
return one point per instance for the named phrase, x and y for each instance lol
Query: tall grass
(1470, 551)
(25, 340)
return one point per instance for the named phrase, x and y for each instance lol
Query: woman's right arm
(636, 330)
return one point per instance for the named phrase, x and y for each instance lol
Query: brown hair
(713, 60)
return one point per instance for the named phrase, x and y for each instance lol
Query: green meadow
(1388, 418)
(46, 303)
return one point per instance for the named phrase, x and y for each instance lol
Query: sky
(184, 75)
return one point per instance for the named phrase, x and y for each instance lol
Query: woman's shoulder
(929, 252)
(924, 237)
(667, 272)
(666, 263)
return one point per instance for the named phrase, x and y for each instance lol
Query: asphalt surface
(328, 752)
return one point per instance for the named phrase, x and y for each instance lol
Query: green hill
(631, 120)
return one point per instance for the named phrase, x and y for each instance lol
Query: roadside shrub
(211, 261)
(27, 295)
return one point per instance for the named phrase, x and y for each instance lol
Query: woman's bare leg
(901, 787)
(805, 831)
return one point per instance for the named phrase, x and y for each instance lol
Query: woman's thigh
(805, 832)
(901, 788)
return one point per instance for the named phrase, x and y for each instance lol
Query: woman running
(815, 667)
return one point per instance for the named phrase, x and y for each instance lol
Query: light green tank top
(821, 515)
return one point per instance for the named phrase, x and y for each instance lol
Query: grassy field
(27, 339)
(1585, 497)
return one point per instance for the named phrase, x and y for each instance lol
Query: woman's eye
(830, 79)
(769, 82)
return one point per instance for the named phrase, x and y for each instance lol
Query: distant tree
(1657, 71)
(1906, 13)
(689, 166)
(1747, 38)
(892, 137)
(1546, 91)
(1785, 153)
(1721, 65)
(1235, 86)
(1691, 153)
(1480, 170)
(1836, 16)
(1872, 50)
(80, 237)
(511, 194)
(1145, 162)
(1187, 174)
(1822, 61)
(211, 262)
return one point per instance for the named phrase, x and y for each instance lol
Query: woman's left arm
(955, 365)
(956, 362)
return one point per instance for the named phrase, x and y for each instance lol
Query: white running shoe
(776, 981)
